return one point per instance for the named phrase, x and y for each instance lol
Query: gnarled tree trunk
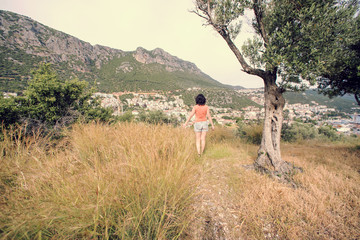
(269, 154)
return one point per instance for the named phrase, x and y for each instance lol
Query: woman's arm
(210, 119)
(190, 116)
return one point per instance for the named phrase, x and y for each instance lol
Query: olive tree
(289, 51)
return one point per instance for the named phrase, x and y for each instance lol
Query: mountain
(343, 104)
(24, 43)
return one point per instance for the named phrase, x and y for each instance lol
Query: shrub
(298, 131)
(126, 117)
(52, 103)
(251, 132)
(221, 134)
(156, 117)
(10, 111)
(329, 132)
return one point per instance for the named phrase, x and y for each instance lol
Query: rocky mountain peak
(162, 57)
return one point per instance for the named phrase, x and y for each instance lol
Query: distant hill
(235, 87)
(343, 104)
(221, 98)
(24, 43)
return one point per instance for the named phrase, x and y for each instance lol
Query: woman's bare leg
(198, 142)
(203, 139)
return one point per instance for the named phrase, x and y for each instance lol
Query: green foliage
(314, 34)
(251, 50)
(344, 76)
(251, 132)
(226, 12)
(49, 101)
(10, 111)
(298, 131)
(157, 117)
(298, 41)
(48, 98)
(329, 132)
(126, 117)
(91, 109)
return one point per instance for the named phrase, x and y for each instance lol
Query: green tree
(50, 102)
(289, 51)
(343, 76)
(10, 111)
(50, 99)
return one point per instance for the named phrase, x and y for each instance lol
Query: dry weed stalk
(127, 181)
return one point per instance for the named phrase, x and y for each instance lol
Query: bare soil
(215, 211)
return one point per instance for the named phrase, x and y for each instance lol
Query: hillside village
(173, 105)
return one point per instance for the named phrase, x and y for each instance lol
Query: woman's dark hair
(200, 99)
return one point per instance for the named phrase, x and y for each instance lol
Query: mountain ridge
(25, 43)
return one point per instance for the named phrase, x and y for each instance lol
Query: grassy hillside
(137, 181)
(343, 104)
(125, 73)
(221, 98)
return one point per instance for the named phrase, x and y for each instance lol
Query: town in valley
(173, 105)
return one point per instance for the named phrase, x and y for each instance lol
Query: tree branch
(224, 32)
(259, 19)
(197, 13)
(246, 67)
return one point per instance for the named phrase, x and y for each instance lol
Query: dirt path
(215, 211)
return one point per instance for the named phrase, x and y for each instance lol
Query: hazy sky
(126, 25)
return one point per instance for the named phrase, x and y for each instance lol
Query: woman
(201, 126)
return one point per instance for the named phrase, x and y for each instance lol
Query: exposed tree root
(285, 176)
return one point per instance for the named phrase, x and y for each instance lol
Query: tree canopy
(299, 40)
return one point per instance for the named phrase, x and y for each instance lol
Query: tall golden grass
(325, 206)
(138, 181)
(127, 181)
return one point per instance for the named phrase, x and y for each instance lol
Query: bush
(157, 117)
(126, 117)
(51, 103)
(10, 111)
(221, 134)
(251, 132)
(329, 132)
(298, 131)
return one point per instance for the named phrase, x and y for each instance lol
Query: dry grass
(137, 181)
(128, 181)
(326, 206)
